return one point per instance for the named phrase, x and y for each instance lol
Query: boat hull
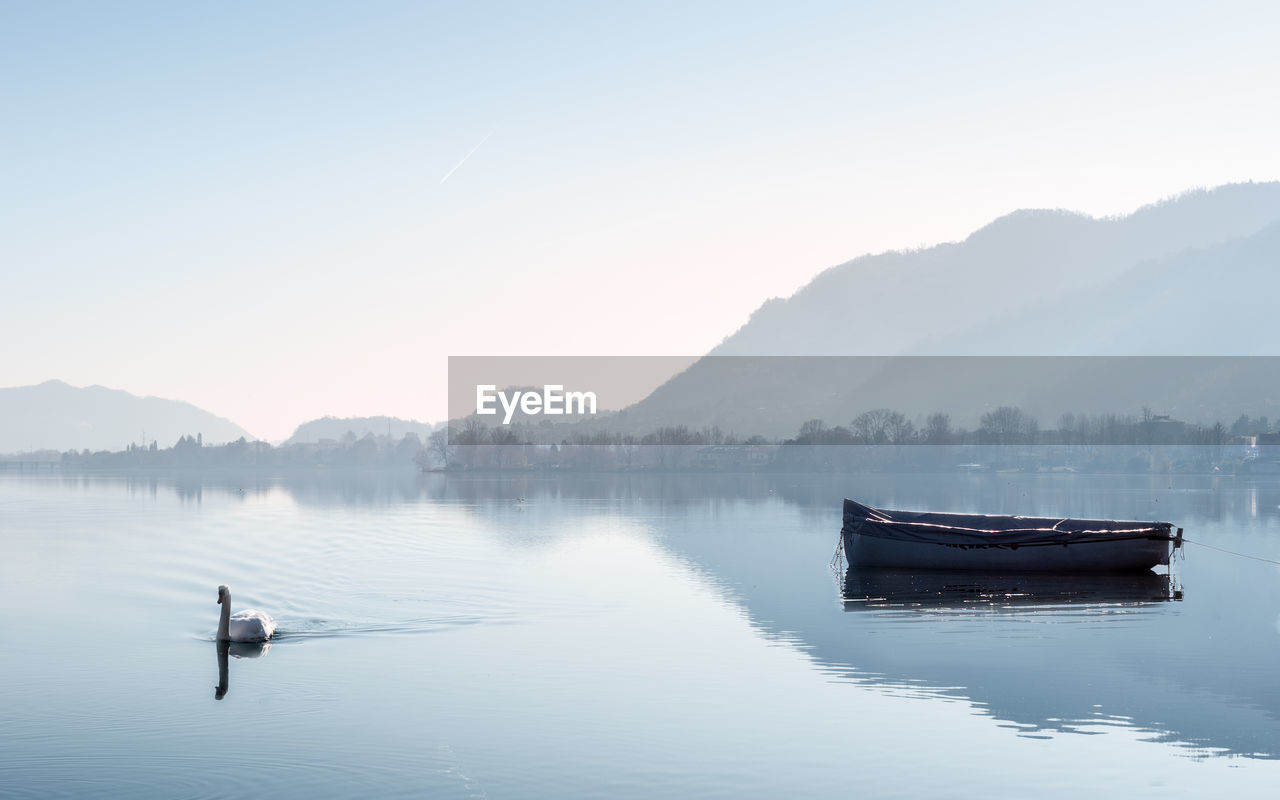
(942, 541)
(1126, 555)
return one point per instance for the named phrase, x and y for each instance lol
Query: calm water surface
(618, 637)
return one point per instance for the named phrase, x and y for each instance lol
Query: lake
(617, 636)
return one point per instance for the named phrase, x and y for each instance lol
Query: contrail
(468, 155)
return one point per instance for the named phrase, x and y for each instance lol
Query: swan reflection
(239, 650)
(887, 588)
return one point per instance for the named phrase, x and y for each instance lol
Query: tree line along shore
(1006, 438)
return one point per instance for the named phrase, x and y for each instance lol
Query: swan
(249, 625)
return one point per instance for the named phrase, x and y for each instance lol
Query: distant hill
(336, 427)
(1196, 275)
(56, 416)
(921, 301)
(1215, 300)
(773, 395)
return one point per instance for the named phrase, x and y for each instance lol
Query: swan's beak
(219, 599)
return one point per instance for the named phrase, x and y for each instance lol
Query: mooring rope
(1232, 552)
(837, 560)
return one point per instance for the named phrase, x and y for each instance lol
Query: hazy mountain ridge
(773, 395)
(57, 416)
(1193, 275)
(895, 302)
(336, 428)
(1215, 300)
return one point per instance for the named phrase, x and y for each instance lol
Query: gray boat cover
(988, 529)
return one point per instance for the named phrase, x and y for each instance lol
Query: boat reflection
(1043, 654)
(893, 588)
(239, 650)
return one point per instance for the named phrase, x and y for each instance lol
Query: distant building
(1163, 429)
(735, 456)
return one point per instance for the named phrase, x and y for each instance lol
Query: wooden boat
(930, 540)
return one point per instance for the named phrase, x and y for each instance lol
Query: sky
(280, 211)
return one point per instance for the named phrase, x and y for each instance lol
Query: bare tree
(439, 447)
(871, 427)
(937, 428)
(1007, 425)
(1067, 427)
(811, 431)
(899, 429)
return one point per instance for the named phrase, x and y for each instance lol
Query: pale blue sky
(240, 205)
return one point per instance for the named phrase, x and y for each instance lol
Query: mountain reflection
(1188, 498)
(1040, 653)
(1048, 655)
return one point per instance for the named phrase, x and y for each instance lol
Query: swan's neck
(224, 620)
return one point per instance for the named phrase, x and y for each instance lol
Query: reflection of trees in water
(674, 489)
(381, 487)
(1175, 498)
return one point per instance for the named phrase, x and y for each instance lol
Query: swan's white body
(249, 625)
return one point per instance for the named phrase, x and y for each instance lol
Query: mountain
(773, 395)
(925, 301)
(56, 416)
(335, 428)
(1192, 276)
(1205, 301)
